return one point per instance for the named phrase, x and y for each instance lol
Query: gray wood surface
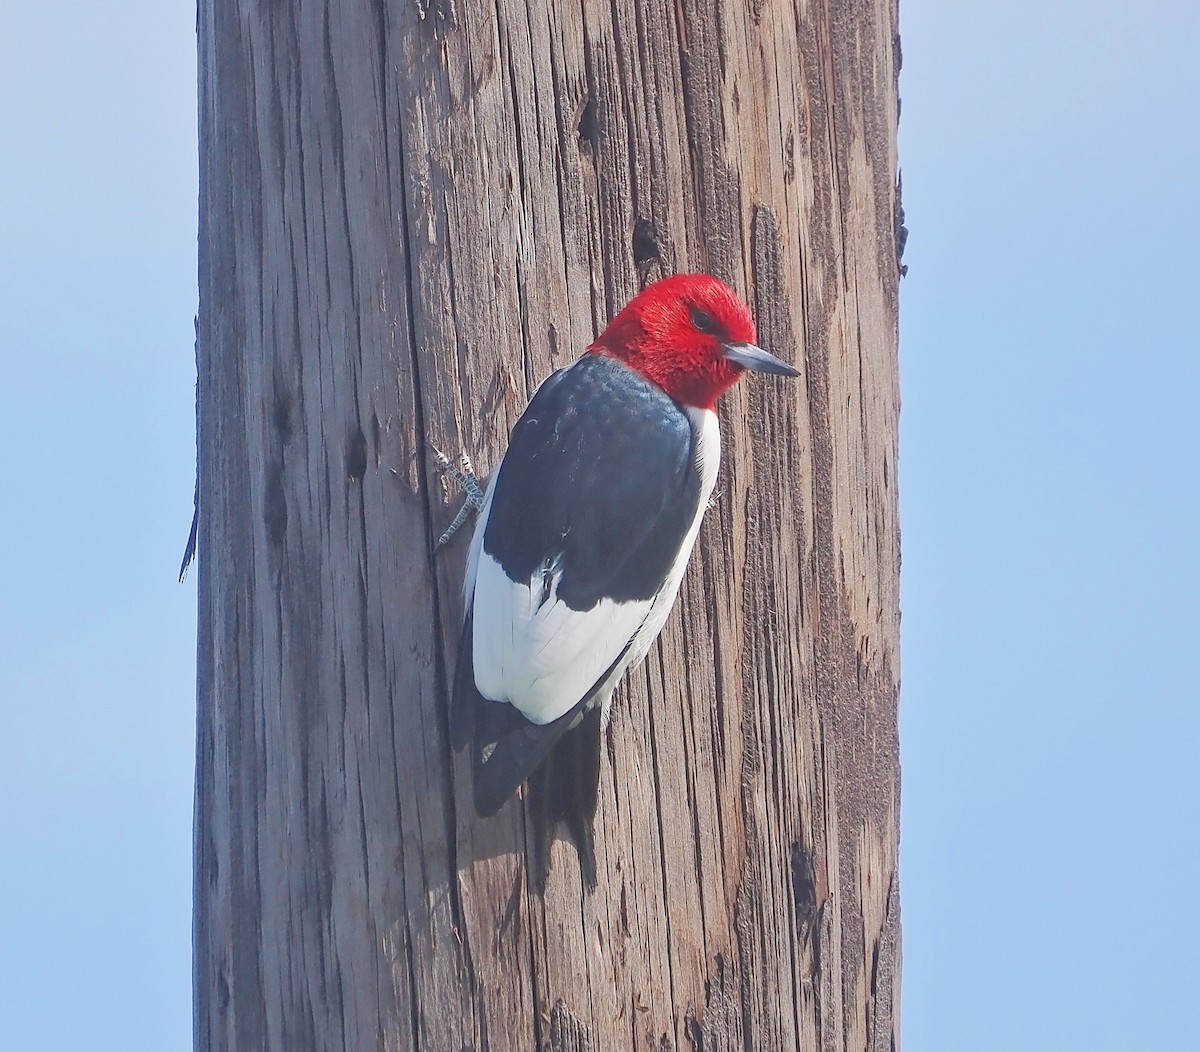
(410, 214)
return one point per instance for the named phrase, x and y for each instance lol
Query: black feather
(465, 696)
(600, 481)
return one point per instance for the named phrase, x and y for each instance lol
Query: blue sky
(97, 663)
(1050, 492)
(1050, 496)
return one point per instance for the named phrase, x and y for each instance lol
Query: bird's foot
(714, 500)
(463, 475)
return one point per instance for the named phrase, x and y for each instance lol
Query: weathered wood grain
(410, 214)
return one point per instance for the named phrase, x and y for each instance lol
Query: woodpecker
(581, 542)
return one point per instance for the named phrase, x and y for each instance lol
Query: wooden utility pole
(411, 212)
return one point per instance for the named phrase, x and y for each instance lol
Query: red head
(691, 335)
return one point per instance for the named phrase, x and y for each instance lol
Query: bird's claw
(463, 475)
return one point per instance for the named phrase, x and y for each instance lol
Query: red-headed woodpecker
(582, 540)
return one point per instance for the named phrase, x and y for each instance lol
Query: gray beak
(750, 357)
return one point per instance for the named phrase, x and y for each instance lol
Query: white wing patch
(533, 651)
(542, 656)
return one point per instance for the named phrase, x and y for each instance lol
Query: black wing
(600, 475)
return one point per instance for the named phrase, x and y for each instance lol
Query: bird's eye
(702, 321)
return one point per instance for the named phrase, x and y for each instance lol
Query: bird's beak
(750, 357)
